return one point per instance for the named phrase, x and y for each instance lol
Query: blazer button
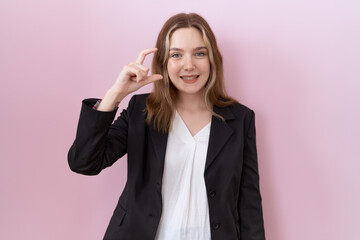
(215, 226)
(212, 193)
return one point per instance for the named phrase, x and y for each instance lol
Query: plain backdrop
(295, 63)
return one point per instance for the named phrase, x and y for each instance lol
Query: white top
(185, 213)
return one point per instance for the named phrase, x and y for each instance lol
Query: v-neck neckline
(187, 129)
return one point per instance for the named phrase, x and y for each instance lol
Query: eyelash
(203, 54)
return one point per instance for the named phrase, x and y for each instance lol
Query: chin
(190, 87)
(192, 90)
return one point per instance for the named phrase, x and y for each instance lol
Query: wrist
(114, 97)
(110, 102)
(115, 94)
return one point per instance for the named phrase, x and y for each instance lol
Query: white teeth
(190, 78)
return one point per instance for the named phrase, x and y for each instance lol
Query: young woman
(191, 149)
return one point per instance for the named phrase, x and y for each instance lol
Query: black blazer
(231, 170)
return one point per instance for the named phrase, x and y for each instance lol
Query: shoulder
(235, 110)
(237, 114)
(240, 109)
(243, 113)
(141, 97)
(137, 104)
(138, 100)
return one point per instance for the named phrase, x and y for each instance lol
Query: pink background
(295, 63)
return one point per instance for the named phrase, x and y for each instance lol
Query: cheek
(206, 66)
(203, 65)
(172, 67)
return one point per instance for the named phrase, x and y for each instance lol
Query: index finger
(143, 54)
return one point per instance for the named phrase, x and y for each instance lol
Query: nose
(188, 63)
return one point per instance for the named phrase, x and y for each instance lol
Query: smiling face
(188, 65)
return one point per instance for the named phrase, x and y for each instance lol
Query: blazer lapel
(220, 132)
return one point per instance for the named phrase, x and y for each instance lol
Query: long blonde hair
(161, 101)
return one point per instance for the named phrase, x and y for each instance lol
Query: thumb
(152, 78)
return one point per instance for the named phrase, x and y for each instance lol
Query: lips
(189, 77)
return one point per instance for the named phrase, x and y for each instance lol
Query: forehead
(186, 38)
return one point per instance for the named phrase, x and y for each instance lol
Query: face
(188, 65)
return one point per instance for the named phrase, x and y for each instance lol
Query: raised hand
(132, 77)
(135, 75)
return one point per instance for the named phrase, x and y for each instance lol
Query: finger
(135, 73)
(152, 78)
(143, 54)
(142, 67)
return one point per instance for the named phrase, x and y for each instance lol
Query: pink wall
(296, 63)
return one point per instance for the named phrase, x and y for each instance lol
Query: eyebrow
(181, 50)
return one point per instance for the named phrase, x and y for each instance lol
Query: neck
(191, 101)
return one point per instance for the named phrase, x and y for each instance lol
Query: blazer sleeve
(98, 142)
(250, 202)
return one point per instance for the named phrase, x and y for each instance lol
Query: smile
(190, 78)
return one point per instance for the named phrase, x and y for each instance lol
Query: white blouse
(185, 213)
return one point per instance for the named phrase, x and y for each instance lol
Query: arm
(98, 144)
(250, 206)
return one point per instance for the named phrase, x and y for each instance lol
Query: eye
(200, 54)
(175, 55)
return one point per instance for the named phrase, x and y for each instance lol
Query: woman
(191, 149)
